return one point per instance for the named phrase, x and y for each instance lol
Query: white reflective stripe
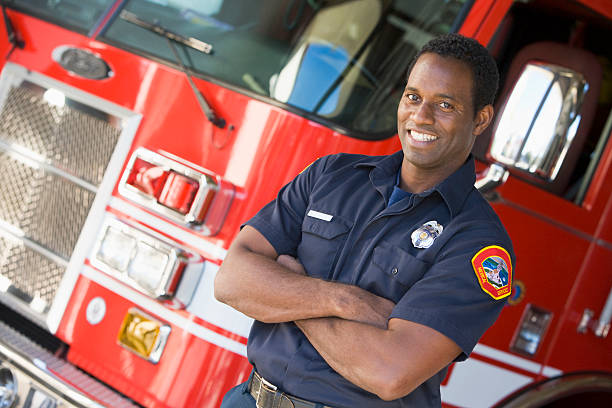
(166, 314)
(508, 358)
(551, 372)
(476, 384)
(515, 361)
(320, 215)
(206, 307)
(196, 241)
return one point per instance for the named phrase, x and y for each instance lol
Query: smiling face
(435, 118)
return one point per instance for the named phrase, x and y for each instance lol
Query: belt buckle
(269, 387)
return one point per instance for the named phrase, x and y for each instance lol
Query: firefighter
(365, 276)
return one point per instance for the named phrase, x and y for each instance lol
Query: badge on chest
(426, 234)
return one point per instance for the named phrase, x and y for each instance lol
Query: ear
(483, 120)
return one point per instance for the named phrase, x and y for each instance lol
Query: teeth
(422, 137)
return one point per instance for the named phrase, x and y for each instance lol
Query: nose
(422, 114)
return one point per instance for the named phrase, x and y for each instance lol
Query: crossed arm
(347, 325)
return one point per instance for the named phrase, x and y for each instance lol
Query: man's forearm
(263, 289)
(254, 281)
(351, 348)
(389, 362)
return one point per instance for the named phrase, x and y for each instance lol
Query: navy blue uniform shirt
(334, 217)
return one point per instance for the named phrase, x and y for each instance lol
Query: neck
(416, 180)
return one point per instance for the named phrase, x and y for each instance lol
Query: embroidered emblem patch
(493, 269)
(425, 235)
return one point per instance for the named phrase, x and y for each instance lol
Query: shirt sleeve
(280, 220)
(450, 297)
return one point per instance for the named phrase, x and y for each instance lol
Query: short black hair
(471, 52)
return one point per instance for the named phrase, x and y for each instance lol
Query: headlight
(139, 259)
(148, 266)
(8, 388)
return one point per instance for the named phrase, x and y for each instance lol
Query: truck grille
(78, 141)
(49, 209)
(53, 156)
(33, 274)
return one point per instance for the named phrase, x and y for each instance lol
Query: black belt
(267, 396)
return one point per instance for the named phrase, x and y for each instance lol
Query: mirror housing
(544, 114)
(540, 120)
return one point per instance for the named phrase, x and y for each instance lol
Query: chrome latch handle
(603, 325)
(600, 327)
(494, 176)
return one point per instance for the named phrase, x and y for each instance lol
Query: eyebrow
(410, 88)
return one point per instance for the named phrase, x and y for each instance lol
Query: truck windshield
(341, 62)
(79, 15)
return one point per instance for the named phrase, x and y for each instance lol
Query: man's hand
(272, 289)
(346, 324)
(353, 302)
(291, 263)
(365, 307)
(361, 342)
(252, 282)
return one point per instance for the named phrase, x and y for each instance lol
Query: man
(380, 283)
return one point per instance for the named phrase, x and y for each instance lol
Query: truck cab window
(79, 15)
(321, 59)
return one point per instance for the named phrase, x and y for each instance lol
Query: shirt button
(394, 271)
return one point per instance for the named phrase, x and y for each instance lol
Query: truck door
(552, 136)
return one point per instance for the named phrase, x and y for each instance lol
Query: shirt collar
(453, 190)
(383, 172)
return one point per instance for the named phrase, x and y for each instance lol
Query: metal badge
(425, 235)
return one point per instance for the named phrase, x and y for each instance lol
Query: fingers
(291, 263)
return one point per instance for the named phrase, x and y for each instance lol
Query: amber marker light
(143, 335)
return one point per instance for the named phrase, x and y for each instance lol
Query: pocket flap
(326, 229)
(399, 264)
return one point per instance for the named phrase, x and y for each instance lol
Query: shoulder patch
(493, 269)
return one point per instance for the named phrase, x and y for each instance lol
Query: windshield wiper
(10, 32)
(191, 43)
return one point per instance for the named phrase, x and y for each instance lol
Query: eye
(412, 97)
(446, 106)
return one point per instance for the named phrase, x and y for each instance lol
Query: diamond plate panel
(14, 342)
(72, 137)
(49, 209)
(29, 271)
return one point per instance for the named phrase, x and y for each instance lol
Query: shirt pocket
(322, 242)
(392, 272)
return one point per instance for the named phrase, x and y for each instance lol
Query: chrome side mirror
(538, 123)
(540, 119)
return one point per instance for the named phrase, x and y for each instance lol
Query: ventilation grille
(53, 155)
(77, 139)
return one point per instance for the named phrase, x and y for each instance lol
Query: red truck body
(563, 245)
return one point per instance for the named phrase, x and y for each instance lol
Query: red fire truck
(137, 135)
